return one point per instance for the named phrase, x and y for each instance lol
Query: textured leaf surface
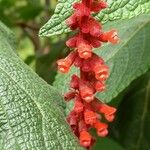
(127, 60)
(30, 117)
(118, 10)
(133, 123)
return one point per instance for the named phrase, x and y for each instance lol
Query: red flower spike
(85, 139)
(112, 37)
(93, 72)
(90, 117)
(74, 82)
(86, 92)
(101, 128)
(70, 95)
(84, 50)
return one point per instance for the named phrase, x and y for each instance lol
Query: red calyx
(70, 95)
(93, 72)
(74, 82)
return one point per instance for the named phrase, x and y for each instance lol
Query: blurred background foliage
(25, 17)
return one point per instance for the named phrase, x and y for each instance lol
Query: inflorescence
(88, 111)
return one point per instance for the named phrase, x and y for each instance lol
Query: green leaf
(106, 144)
(133, 118)
(118, 10)
(127, 60)
(31, 114)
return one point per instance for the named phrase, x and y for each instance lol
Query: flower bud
(112, 37)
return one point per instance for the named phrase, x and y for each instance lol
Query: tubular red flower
(85, 139)
(105, 109)
(101, 128)
(65, 64)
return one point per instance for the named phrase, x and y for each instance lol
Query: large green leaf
(30, 117)
(127, 60)
(118, 10)
(133, 117)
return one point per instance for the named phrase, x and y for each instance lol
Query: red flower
(85, 139)
(65, 64)
(101, 128)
